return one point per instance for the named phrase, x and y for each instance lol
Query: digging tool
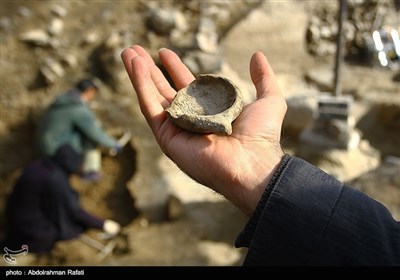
(339, 48)
(125, 138)
(104, 249)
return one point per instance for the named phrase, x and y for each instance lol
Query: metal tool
(104, 249)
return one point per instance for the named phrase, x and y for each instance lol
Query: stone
(301, 112)
(59, 11)
(207, 105)
(69, 59)
(175, 208)
(52, 70)
(343, 164)
(91, 38)
(201, 62)
(37, 37)
(162, 21)
(207, 41)
(322, 77)
(55, 67)
(207, 37)
(334, 125)
(24, 11)
(5, 24)
(55, 27)
(387, 114)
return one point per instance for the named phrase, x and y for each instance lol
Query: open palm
(238, 166)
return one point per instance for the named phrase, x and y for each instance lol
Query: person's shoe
(92, 176)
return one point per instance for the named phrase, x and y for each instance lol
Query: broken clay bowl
(207, 105)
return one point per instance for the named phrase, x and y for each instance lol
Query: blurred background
(167, 218)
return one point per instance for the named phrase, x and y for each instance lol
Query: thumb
(263, 76)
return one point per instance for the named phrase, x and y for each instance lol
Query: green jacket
(68, 120)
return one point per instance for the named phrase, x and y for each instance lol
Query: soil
(204, 231)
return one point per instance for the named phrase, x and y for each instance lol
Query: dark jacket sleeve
(306, 217)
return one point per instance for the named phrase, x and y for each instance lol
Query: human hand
(238, 166)
(111, 227)
(118, 148)
(115, 150)
(125, 138)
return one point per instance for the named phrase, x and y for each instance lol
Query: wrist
(248, 191)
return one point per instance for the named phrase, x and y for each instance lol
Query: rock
(190, 60)
(343, 164)
(56, 27)
(325, 32)
(207, 41)
(175, 208)
(149, 189)
(334, 126)
(54, 43)
(219, 253)
(5, 24)
(380, 124)
(385, 108)
(48, 75)
(181, 40)
(392, 160)
(59, 11)
(161, 21)
(300, 113)
(52, 70)
(24, 11)
(358, 26)
(225, 14)
(322, 77)
(329, 135)
(200, 62)
(56, 67)
(388, 114)
(70, 60)
(113, 41)
(207, 37)
(326, 48)
(91, 38)
(207, 105)
(110, 62)
(312, 34)
(37, 37)
(181, 23)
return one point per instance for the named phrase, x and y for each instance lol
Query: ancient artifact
(207, 105)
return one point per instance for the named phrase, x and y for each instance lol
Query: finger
(178, 71)
(159, 80)
(127, 55)
(148, 95)
(267, 86)
(263, 76)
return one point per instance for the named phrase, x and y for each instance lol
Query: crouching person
(43, 208)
